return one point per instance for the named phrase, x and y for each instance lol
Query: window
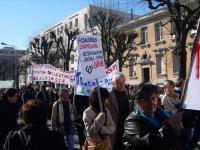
(61, 30)
(175, 62)
(85, 21)
(76, 22)
(58, 31)
(93, 22)
(144, 35)
(173, 31)
(158, 32)
(72, 59)
(160, 64)
(132, 67)
(70, 25)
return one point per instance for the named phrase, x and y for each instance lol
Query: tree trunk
(182, 56)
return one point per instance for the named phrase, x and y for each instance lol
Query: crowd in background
(133, 117)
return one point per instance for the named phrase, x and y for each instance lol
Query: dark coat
(140, 134)
(40, 96)
(39, 139)
(8, 119)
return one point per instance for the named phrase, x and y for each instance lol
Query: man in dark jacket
(119, 108)
(9, 109)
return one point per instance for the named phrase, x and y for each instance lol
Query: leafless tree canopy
(184, 15)
(115, 41)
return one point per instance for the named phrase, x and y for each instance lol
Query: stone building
(154, 59)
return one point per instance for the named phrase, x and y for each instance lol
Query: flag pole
(99, 96)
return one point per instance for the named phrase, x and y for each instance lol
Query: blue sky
(22, 19)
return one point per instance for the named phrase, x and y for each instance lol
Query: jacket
(57, 117)
(94, 126)
(140, 134)
(37, 138)
(8, 116)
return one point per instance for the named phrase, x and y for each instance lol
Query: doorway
(146, 74)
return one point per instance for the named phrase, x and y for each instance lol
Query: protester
(170, 100)
(81, 104)
(35, 135)
(9, 109)
(98, 124)
(150, 128)
(43, 96)
(28, 94)
(62, 118)
(119, 108)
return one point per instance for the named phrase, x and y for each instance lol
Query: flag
(192, 87)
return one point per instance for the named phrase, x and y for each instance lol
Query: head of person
(29, 88)
(118, 81)
(35, 112)
(43, 87)
(94, 99)
(147, 98)
(169, 86)
(11, 95)
(63, 95)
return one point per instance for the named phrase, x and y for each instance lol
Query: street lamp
(15, 55)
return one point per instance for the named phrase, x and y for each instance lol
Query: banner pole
(99, 96)
(74, 95)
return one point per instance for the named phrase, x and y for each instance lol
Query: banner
(84, 88)
(47, 72)
(192, 88)
(91, 57)
(6, 84)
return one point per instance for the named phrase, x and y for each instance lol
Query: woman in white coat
(98, 124)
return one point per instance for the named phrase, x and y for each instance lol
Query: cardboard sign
(91, 57)
(84, 88)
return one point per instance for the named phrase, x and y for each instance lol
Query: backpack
(23, 139)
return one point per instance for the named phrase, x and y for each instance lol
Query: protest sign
(47, 72)
(192, 88)
(84, 88)
(91, 57)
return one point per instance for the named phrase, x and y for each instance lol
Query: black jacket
(140, 134)
(8, 119)
(38, 139)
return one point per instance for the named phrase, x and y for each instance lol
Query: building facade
(154, 59)
(9, 63)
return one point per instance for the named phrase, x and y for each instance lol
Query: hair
(117, 75)
(62, 91)
(168, 82)
(10, 93)
(94, 99)
(145, 90)
(35, 112)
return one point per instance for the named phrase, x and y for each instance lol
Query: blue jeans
(70, 142)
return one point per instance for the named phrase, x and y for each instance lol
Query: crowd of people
(132, 117)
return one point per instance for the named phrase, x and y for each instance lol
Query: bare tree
(42, 51)
(65, 48)
(183, 16)
(115, 43)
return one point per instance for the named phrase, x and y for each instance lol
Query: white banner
(91, 57)
(84, 88)
(6, 84)
(47, 72)
(191, 96)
